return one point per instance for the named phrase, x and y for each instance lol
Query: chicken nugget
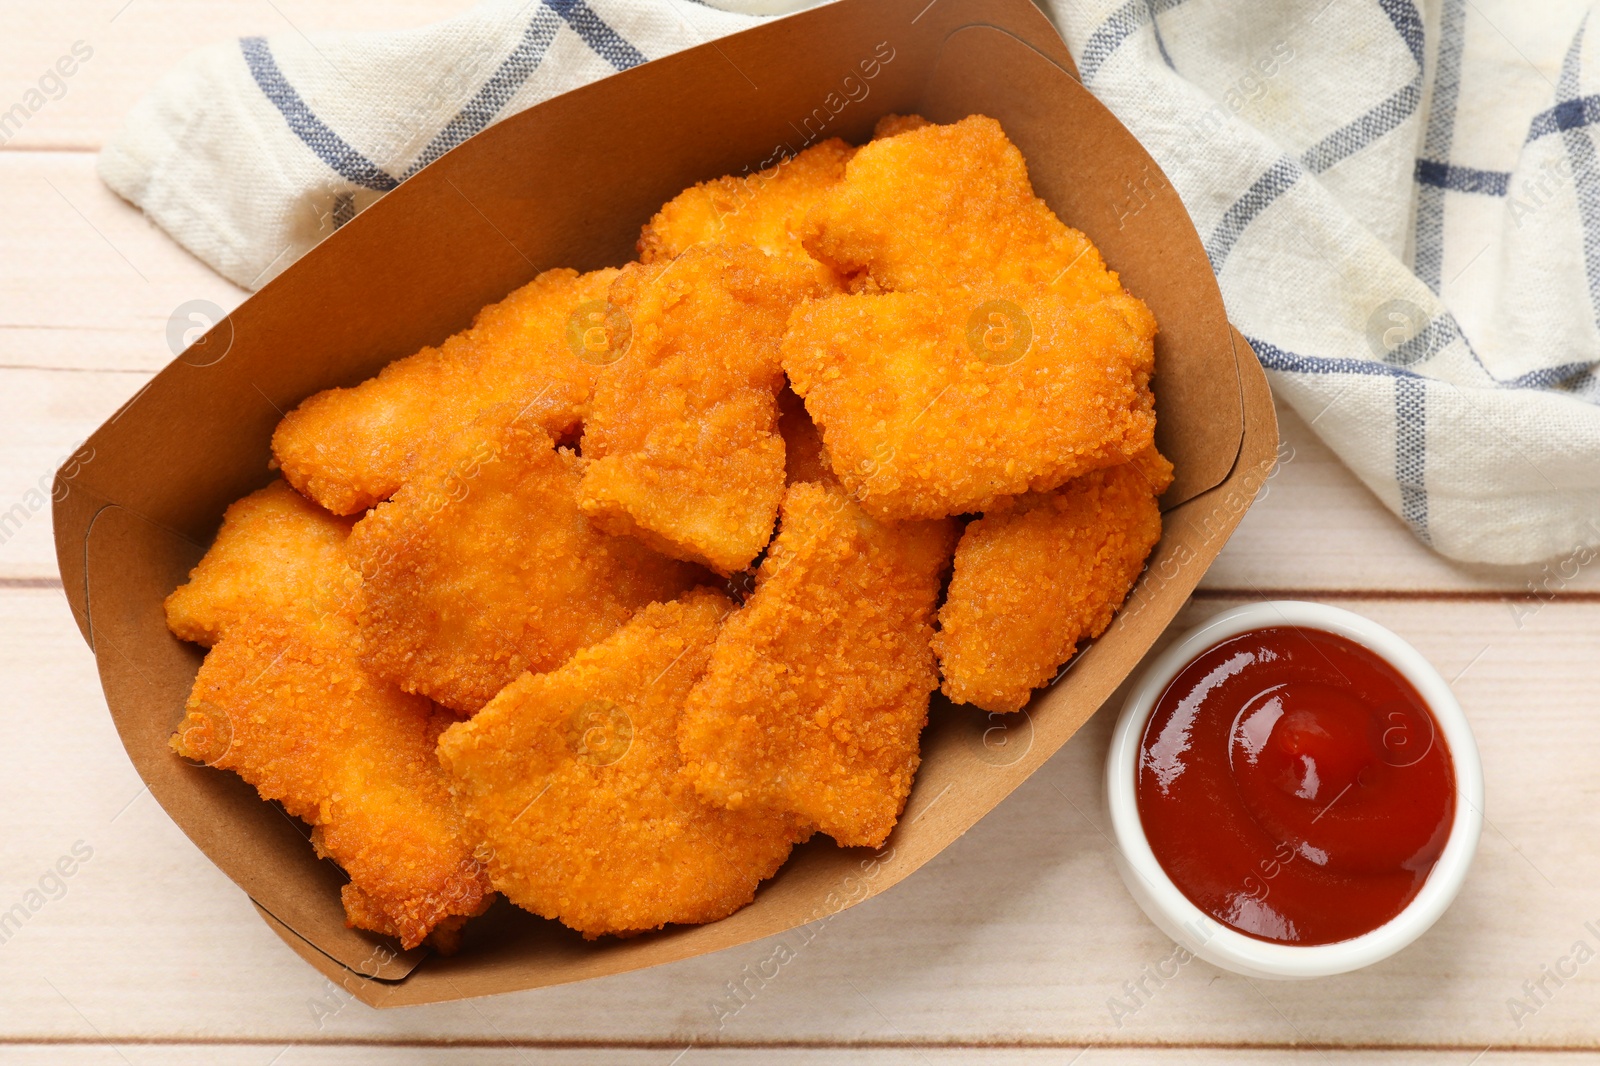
(766, 209)
(938, 404)
(287, 706)
(894, 125)
(682, 438)
(350, 448)
(277, 554)
(817, 690)
(1032, 581)
(483, 567)
(930, 207)
(573, 778)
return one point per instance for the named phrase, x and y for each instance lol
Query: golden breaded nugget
(350, 448)
(804, 458)
(282, 700)
(818, 688)
(766, 209)
(1032, 581)
(483, 567)
(894, 125)
(937, 404)
(277, 554)
(682, 438)
(573, 779)
(287, 706)
(941, 207)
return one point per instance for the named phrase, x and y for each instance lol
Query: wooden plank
(94, 285)
(46, 416)
(1021, 932)
(132, 43)
(221, 1054)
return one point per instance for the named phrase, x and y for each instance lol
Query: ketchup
(1294, 786)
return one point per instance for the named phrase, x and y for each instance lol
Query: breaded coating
(936, 404)
(940, 207)
(817, 690)
(350, 448)
(682, 437)
(277, 554)
(573, 779)
(1032, 581)
(483, 567)
(287, 706)
(893, 125)
(803, 455)
(282, 700)
(767, 209)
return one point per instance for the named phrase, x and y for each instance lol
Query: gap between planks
(771, 1045)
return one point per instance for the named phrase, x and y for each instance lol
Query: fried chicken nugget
(350, 448)
(894, 125)
(817, 690)
(277, 554)
(935, 404)
(483, 567)
(1033, 580)
(282, 700)
(929, 208)
(287, 706)
(573, 779)
(767, 209)
(682, 438)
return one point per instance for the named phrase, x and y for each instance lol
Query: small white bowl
(1197, 931)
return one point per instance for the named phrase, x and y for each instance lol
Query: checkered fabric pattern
(1402, 206)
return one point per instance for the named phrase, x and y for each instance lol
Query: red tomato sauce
(1294, 786)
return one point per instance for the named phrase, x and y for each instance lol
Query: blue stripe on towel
(1387, 116)
(1110, 34)
(1428, 260)
(1566, 115)
(1274, 358)
(476, 115)
(328, 145)
(1585, 166)
(1411, 452)
(1336, 146)
(1565, 376)
(1568, 377)
(1278, 179)
(1461, 179)
(500, 86)
(1161, 44)
(606, 42)
(1411, 427)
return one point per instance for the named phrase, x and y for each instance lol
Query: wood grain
(135, 42)
(223, 1054)
(1009, 948)
(1018, 934)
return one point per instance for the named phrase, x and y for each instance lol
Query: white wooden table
(1004, 949)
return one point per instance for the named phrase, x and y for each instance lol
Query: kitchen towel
(1401, 199)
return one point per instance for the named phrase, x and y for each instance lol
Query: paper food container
(569, 183)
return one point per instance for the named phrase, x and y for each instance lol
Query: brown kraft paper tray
(569, 183)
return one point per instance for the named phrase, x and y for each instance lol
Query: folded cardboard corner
(569, 183)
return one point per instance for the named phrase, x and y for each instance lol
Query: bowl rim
(1228, 948)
